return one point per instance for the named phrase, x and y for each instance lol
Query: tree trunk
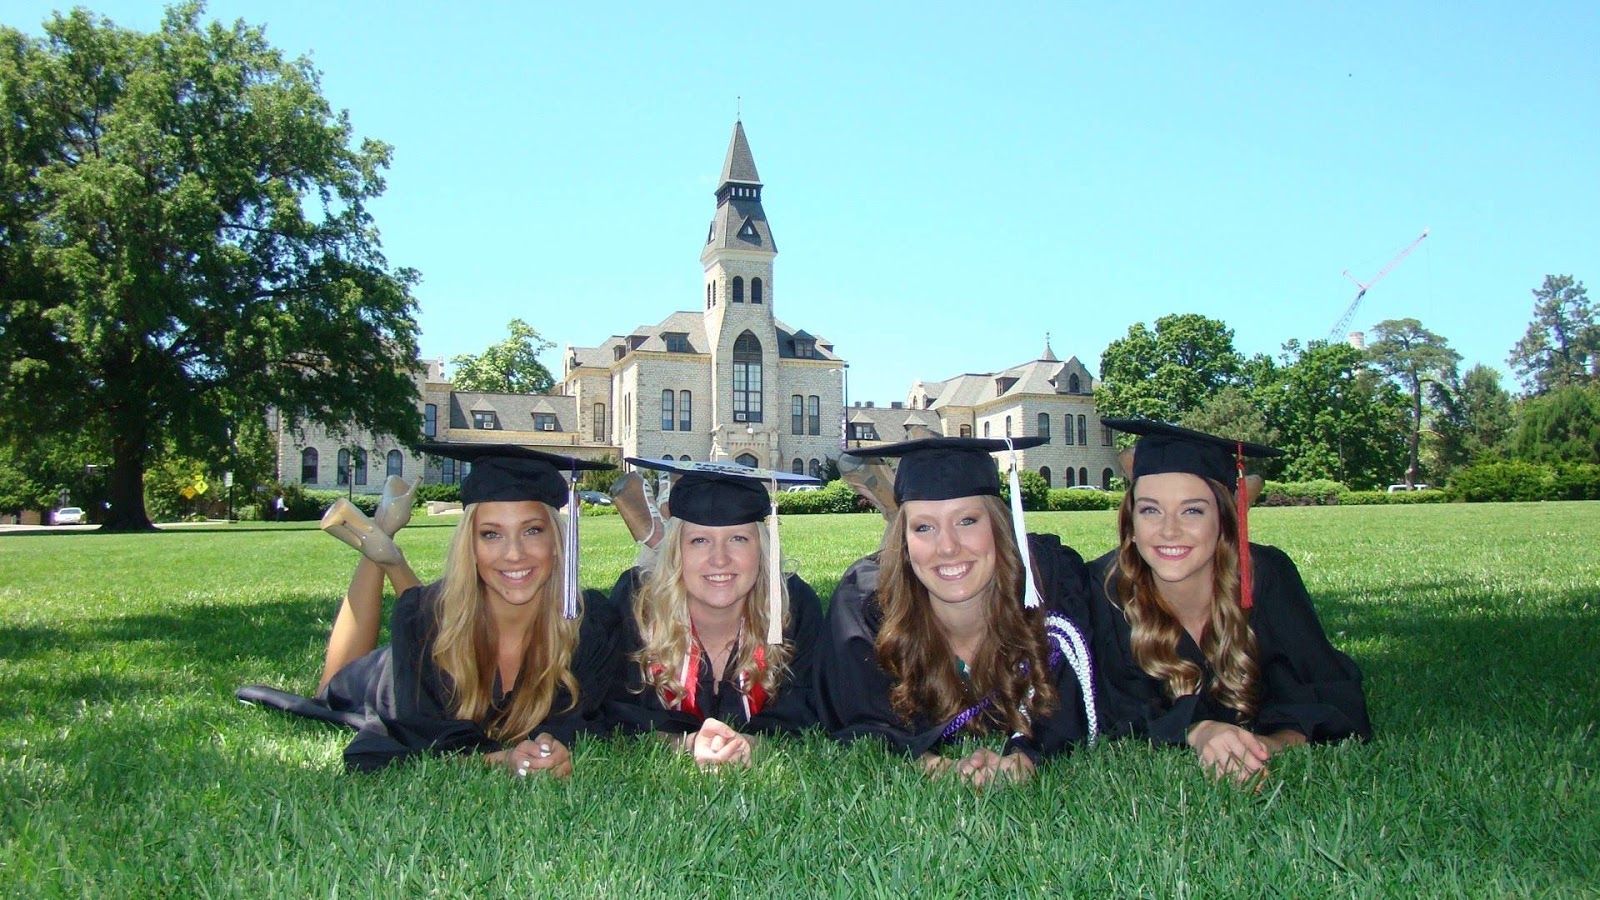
(1416, 435)
(127, 487)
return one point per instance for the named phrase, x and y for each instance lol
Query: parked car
(797, 488)
(1394, 488)
(69, 515)
(595, 497)
(1086, 487)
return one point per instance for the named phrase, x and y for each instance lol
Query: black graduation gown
(1306, 684)
(635, 708)
(853, 689)
(398, 701)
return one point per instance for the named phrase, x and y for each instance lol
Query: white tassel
(569, 568)
(1030, 590)
(774, 573)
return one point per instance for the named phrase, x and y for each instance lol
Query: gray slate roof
(740, 164)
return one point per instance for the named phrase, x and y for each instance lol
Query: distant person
(721, 644)
(280, 509)
(1202, 638)
(491, 658)
(960, 628)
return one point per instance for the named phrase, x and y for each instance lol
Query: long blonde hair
(914, 652)
(1229, 643)
(661, 610)
(465, 650)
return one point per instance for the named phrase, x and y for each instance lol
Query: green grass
(127, 769)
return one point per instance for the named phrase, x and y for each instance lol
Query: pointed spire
(740, 164)
(1049, 355)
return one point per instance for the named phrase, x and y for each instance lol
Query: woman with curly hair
(491, 658)
(1203, 638)
(960, 626)
(722, 643)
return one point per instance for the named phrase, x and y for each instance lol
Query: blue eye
(918, 529)
(488, 535)
(535, 529)
(1147, 510)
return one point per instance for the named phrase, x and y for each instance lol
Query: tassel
(1030, 590)
(774, 572)
(569, 568)
(1241, 501)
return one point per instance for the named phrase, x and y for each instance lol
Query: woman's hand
(1230, 750)
(537, 754)
(983, 767)
(934, 765)
(715, 744)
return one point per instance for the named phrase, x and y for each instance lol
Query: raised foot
(349, 524)
(395, 504)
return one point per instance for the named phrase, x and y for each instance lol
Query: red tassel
(1241, 498)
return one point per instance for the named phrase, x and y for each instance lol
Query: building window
(738, 289)
(308, 465)
(804, 349)
(394, 464)
(1044, 428)
(708, 295)
(814, 414)
(677, 342)
(599, 421)
(1083, 476)
(683, 458)
(815, 469)
(669, 416)
(360, 467)
(755, 290)
(1070, 482)
(1083, 435)
(1105, 479)
(986, 429)
(797, 414)
(545, 422)
(1008, 426)
(1066, 426)
(430, 420)
(685, 411)
(966, 431)
(487, 421)
(1105, 435)
(798, 467)
(1045, 471)
(864, 431)
(747, 379)
(342, 475)
(746, 460)
(1073, 385)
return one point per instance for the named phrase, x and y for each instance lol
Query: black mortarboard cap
(509, 472)
(944, 468)
(719, 493)
(1170, 448)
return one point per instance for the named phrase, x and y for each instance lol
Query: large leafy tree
(1337, 418)
(186, 243)
(1416, 359)
(509, 367)
(1562, 426)
(1166, 372)
(1562, 345)
(1474, 420)
(1234, 412)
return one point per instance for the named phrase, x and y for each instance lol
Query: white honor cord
(774, 572)
(1030, 590)
(569, 568)
(1076, 651)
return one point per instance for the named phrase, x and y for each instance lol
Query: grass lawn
(127, 768)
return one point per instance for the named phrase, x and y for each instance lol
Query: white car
(69, 515)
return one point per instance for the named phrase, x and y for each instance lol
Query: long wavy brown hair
(661, 611)
(1229, 644)
(1012, 661)
(464, 648)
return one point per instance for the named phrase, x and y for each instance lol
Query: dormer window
(677, 342)
(486, 421)
(1074, 386)
(618, 352)
(544, 422)
(1001, 385)
(805, 349)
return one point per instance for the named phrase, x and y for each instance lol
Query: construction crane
(1344, 320)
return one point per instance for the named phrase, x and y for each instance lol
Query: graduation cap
(720, 493)
(945, 468)
(1163, 448)
(511, 473)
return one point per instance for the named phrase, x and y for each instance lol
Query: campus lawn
(127, 768)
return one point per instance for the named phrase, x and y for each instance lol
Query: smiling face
(951, 546)
(720, 564)
(515, 547)
(1175, 526)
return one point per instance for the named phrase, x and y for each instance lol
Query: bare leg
(355, 628)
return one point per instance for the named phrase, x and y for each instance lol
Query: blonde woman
(1204, 639)
(721, 644)
(491, 658)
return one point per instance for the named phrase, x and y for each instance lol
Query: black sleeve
(852, 689)
(631, 706)
(1306, 684)
(419, 719)
(596, 663)
(1063, 582)
(795, 705)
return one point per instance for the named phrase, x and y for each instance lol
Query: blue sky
(947, 184)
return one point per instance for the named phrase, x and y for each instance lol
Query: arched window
(747, 379)
(342, 476)
(1083, 434)
(360, 467)
(738, 289)
(1008, 426)
(599, 421)
(798, 467)
(1073, 384)
(308, 465)
(755, 290)
(1045, 471)
(708, 295)
(797, 414)
(669, 416)
(1070, 481)
(814, 414)
(745, 459)
(1044, 428)
(966, 431)
(986, 429)
(1105, 479)
(815, 468)
(430, 420)
(1083, 476)
(394, 464)
(685, 411)
(683, 458)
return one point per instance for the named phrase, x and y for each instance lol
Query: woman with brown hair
(1203, 638)
(491, 658)
(960, 625)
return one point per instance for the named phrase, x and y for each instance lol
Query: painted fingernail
(544, 750)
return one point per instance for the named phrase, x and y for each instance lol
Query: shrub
(835, 497)
(1504, 482)
(1401, 498)
(1064, 500)
(444, 493)
(1321, 492)
(1578, 481)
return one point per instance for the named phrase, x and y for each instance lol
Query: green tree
(1416, 359)
(1166, 372)
(1338, 419)
(187, 244)
(1562, 426)
(509, 367)
(1474, 422)
(1562, 345)
(1234, 412)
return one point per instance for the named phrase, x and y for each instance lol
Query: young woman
(1203, 638)
(491, 658)
(941, 634)
(722, 645)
